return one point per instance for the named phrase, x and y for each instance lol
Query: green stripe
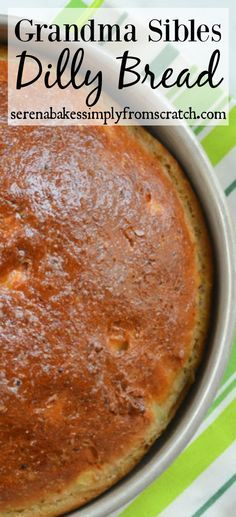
(91, 9)
(222, 396)
(187, 467)
(75, 4)
(215, 496)
(230, 188)
(198, 129)
(231, 368)
(67, 15)
(219, 106)
(221, 139)
(95, 4)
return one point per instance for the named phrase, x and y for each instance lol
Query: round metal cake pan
(184, 146)
(186, 149)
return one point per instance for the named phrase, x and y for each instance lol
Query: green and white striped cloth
(202, 480)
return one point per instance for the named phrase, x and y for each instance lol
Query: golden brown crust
(106, 273)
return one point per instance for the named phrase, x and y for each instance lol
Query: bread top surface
(98, 295)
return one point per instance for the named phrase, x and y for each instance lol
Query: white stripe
(224, 169)
(225, 385)
(225, 505)
(196, 495)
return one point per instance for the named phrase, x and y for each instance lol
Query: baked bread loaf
(105, 282)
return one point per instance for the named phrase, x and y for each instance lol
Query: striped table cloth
(202, 480)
